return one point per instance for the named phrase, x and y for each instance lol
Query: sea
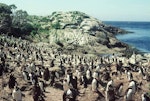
(139, 39)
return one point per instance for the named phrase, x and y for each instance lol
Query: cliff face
(78, 29)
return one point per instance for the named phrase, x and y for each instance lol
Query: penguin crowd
(30, 67)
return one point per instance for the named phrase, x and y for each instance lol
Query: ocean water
(140, 39)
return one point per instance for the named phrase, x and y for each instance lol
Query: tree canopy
(5, 8)
(5, 18)
(14, 21)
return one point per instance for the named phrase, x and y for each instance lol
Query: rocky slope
(76, 29)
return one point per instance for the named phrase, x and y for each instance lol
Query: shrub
(56, 25)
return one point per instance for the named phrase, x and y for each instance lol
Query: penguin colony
(29, 67)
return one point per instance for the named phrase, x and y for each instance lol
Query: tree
(14, 21)
(13, 7)
(20, 21)
(5, 9)
(5, 18)
(20, 18)
(56, 25)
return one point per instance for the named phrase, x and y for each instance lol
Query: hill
(76, 30)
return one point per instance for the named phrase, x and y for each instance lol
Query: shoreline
(139, 39)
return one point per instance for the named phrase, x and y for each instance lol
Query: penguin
(84, 81)
(88, 76)
(128, 94)
(95, 75)
(46, 75)
(31, 77)
(25, 75)
(41, 85)
(57, 75)
(110, 93)
(94, 85)
(68, 78)
(70, 95)
(119, 89)
(12, 81)
(65, 85)
(129, 76)
(106, 76)
(36, 93)
(141, 73)
(52, 76)
(16, 94)
(98, 68)
(75, 83)
(108, 84)
(132, 85)
(144, 97)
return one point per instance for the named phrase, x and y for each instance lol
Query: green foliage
(14, 21)
(37, 26)
(5, 8)
(5, 18)
(44, 19)
(53, 13)
(20, 18)
(56, 25)
(27, 28)
(21, 21)
(13, 8)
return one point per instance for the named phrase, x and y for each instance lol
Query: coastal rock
(79, 29)
(115, 30)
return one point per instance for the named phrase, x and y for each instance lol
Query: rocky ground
(55, 94)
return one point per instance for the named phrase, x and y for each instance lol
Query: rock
(79, 29)
(115, 30)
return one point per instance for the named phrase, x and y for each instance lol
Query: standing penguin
(70, 95)
(88, 76)
(31, 77)
(94, 85)
(129, 76)
(41, 85)
(25, 75)
(128, 94)
(65, 85)
(110, 93)
(144, 97)
(118, 89)
(46, 75)
(132, 85)
(12, 81)
(36, 93)
(16, 94)
(53, 76)
(75, 83)
(95, 75)
(84, 80)
(108, 84)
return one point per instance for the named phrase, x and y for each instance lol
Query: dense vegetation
(14, 22)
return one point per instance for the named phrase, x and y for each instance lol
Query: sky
(105, 10)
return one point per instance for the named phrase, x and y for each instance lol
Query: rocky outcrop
(79, 29)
